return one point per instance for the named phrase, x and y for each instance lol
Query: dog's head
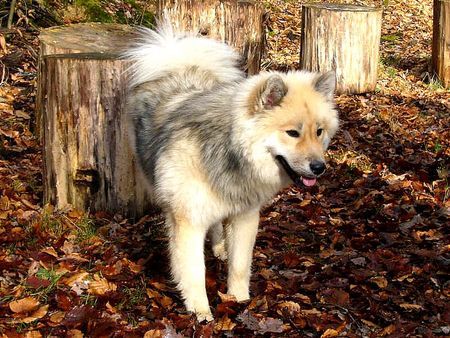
(296, 116)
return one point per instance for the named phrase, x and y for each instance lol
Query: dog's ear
(272, 92)
(326, 84)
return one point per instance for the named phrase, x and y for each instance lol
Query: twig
(12, 9)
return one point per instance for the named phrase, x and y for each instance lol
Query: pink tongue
(309, 182)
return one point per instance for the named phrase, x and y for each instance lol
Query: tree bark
(441, 41)
(88, 163)
(240, 23)
(344, 38)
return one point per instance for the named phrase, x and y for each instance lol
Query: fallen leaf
(152, 293)
(79, 315)
(67, 247)
(269, 324)
(330, 333)
(224, 324)
(22, 114)
(38, 314)
(3, 44)
(136, 268)
(335, 296)
(74, 333)
(380, 281)
(29, 204)
(361, 261)
(153, 334)
(259, 303)
(411, 307)
(100, 286)
(4, 203)
(57, 317)
(166, 302)
(261, 326)
(76, 278)
(35, 282)
(289, 307)
(33, 334)
(224, 297)
(27, 304)
(51, 251)
(388, 330)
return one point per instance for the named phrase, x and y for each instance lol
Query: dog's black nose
(317, 167)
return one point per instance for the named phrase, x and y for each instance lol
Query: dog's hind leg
(186, 244)
(240, 235)
(217, 238)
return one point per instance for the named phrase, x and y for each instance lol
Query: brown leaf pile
(364, 253)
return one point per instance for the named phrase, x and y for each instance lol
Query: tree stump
(88, 163)
(441, 41)
(240, 23)
(344, 38)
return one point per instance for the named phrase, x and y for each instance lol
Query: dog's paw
(220, 251)
(204, 316)
(240, 295)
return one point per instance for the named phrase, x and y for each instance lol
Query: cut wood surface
(441, 41)
(344, 38)
(85, 38)
(239, 23)
(88, 163)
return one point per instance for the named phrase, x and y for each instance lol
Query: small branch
(12, 9)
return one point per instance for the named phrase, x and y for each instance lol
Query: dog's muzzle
(317, 167)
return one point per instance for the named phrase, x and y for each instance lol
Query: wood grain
(88, 163)
(239, 23)
(441, 41)
(344, 38)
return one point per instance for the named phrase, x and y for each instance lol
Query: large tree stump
(240, 23)
(344, 38)
(441, 41)
(88, 163)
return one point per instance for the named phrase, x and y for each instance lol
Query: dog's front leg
(218, 241)
(188, 263)
(240, 238)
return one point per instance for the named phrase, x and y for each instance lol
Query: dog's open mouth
(308, 181)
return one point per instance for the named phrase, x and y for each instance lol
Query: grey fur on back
(194, 107)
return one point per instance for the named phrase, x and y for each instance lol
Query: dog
(215, 146)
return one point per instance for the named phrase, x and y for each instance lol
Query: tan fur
(215, 146)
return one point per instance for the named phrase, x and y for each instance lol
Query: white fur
(240, 238)
(167, 50)
(191, 205)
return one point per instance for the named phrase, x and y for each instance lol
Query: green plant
(6, 298)
(89, 299)
(133, 296)
(437, 147)
(390, 37)
(49, 275)
(86, 229)
(51, 224)
(435, 84)
(24, 326)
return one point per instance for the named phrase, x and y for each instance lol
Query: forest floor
(365, 253)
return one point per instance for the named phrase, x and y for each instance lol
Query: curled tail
(158, 52)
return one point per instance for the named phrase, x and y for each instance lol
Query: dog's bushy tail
(160, 52)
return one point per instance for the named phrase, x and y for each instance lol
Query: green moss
(94, 11)
(142, 17)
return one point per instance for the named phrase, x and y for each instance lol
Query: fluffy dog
(215, 146)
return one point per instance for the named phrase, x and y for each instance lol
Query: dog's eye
(319, 131)
(293, 133)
